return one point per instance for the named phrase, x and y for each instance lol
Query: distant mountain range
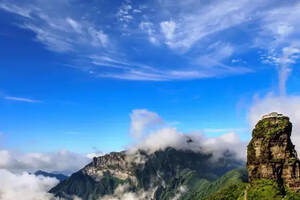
(59, 177)
(162, 175)
(172, 174)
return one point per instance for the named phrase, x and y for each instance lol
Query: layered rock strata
(271, 153)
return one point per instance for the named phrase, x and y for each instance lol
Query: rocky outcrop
(161, 174)
(271, 153)
(117, 164)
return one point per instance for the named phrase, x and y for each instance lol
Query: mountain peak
(271, 153)
(158, 175)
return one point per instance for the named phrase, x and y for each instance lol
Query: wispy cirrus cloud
(280, 37)
(129, 70)
(99, 46)
(176, 40)
(21, 99)
(271, 27)
(59, 31)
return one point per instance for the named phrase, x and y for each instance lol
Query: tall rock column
(271, 153)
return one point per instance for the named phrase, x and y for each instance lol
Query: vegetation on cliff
(272, 162)
(167, 172)
(273, 171)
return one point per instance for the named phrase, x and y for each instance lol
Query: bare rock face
(271, 153)
(117, 164)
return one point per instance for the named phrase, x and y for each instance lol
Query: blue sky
(72, 71)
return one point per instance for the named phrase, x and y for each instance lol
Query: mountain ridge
(176, 174)
(58, 176)
(163, 171)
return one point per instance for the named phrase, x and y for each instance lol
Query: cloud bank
(25, 186)
(152, 135)
(122, 192)
(163, 136)
(62, 161)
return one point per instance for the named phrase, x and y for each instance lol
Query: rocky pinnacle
(271, 153)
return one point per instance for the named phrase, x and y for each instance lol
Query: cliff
(272, 165)
(271, 153)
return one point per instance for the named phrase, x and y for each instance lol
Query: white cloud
(125, 14)
(284, 59)
(21, 99)
(64, 161)
(92, 155)
(82, 34)
(75, 25)
(148, 27)
(226, 142)
(168, 29)
(142, 120)
(136, 11)
(215, 53)
(280, 29)
(287, 105)
(164, 137)
(289, 55)
(56, 31)
(141, 72)
(189, 28)
(16, 9)
(153, 40)
(52, 40)
(99, 38)
(198, 142)
(281, 24)
(122, 193)
(25, 186)
(195, 20)
(5, 158)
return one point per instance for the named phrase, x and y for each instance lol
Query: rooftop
(272, 114)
